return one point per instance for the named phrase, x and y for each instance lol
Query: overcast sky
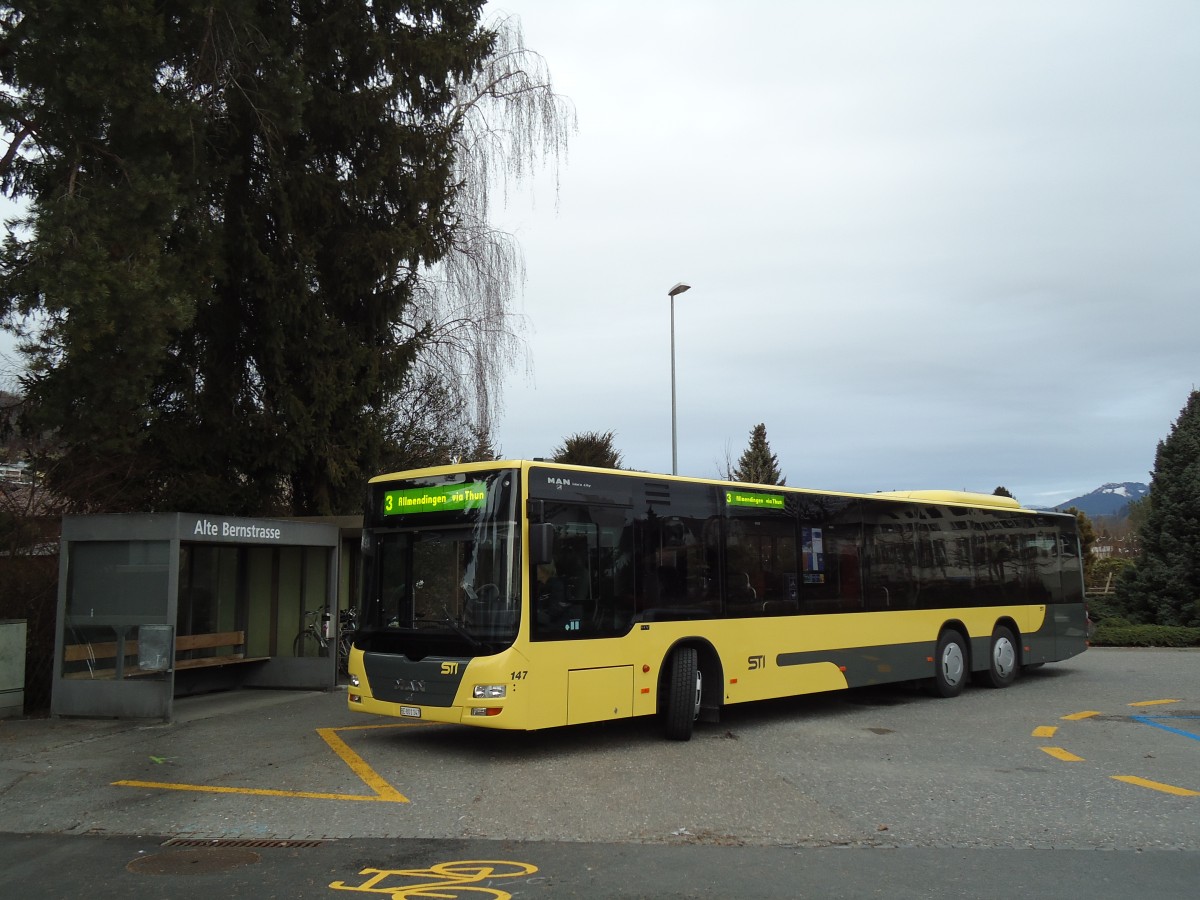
(930, 244)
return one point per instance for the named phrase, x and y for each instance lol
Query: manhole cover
(194, 861)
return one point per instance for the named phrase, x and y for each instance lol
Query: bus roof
(962, 498)
(970, 498)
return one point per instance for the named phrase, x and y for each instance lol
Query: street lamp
(678, 289)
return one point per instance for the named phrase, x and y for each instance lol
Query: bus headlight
(353, 681)
(489, 691)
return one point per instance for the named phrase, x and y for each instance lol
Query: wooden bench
(234, 641)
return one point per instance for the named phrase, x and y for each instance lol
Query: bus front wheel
(683, 694)
(950, 664)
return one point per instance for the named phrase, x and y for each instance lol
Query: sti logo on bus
(757, 662)
(449, 668)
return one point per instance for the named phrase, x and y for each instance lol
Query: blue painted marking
(1149, 720)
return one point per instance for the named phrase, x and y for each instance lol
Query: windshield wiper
(462, 632)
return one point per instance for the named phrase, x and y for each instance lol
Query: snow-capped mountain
(1108, 500)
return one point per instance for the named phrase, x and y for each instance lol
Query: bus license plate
(413, 712)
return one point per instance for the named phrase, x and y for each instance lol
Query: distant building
(15, 473)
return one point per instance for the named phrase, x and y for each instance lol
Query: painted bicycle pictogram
(456, 880)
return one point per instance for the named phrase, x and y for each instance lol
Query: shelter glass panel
(113, 587)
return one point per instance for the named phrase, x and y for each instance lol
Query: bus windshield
(443, 566)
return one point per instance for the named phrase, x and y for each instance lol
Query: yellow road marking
(1157, 786)
(1153, 702)
(1060, 753)
(1067, 756)
(451, 875)
(257, 792)
(359, 767)
(384, 792)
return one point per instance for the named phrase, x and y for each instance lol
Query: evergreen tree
(481, 448)
(427, 432)
(1139, 511)
(1002, 492)
(234, 209)
(589, 448)
(93, 141)
(757, 463)
(1164, 585)
(1087, 535)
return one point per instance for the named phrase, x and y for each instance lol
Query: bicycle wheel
(306, 644)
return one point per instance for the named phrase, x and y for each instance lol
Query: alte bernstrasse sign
(223, 528)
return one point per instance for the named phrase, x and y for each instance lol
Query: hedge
(1119, 633)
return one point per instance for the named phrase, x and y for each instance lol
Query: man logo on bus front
(413, 687)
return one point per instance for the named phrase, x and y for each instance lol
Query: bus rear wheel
(683, 694)
(950, 671)
(1003, 659)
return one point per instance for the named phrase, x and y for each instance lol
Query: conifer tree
(757, 463)
(1086, 531)
(1164, 585)
(235, 211)
(589, 448)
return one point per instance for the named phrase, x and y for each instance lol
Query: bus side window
(760, 567)
(830, 568)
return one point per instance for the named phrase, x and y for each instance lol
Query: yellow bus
(526, 595)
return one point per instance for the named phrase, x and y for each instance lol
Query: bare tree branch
(509, 122)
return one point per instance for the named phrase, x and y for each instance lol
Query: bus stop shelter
(156, 606)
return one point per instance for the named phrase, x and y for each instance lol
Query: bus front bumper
(486, 716)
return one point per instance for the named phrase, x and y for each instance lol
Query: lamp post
(678, 289)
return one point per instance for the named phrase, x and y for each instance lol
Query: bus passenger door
(586, 589)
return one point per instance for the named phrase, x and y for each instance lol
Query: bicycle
(311, 641)
(347, 625)
(453, 875)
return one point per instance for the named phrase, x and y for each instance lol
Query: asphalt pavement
(856, 794)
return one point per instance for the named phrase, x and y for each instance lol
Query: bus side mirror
(541, 543)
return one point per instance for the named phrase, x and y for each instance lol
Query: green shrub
(1111, 565)
(1103, 607)
(1117, 632)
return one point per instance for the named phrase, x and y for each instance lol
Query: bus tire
(950, 669)
(1003, 658)
(683, 694)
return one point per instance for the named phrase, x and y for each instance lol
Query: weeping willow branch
(509, 123)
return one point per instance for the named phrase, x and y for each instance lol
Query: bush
(1103, 607)
(1118, 632)
(1110, 565)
